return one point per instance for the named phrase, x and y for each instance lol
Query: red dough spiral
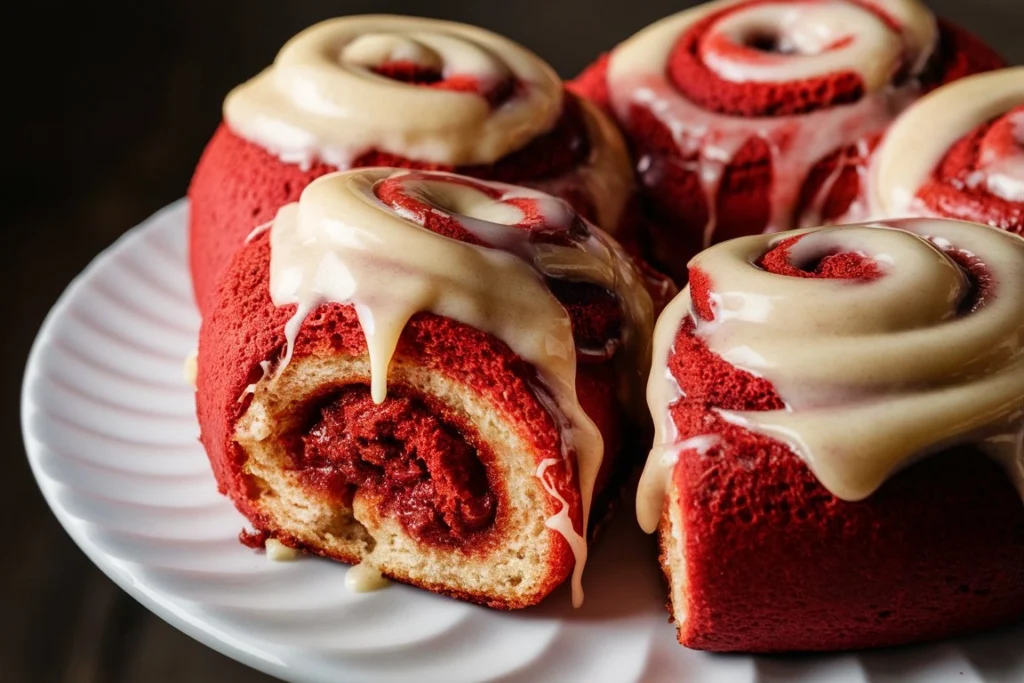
(726, 146)
(953, 192)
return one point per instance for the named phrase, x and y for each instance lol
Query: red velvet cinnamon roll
(426, 374)
(957, 153)
(406, 92)
(840, 446)
(758, 115)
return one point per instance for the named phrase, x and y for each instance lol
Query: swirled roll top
(967, 136)
(923, 350)
(326, 96)
(788, 41)
(395, 243)
(818, 40)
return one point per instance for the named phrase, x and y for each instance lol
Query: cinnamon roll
(957, 153)
(428, 375)
(759, 115)
(839, 455)
(365, 91)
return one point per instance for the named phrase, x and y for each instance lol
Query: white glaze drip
(340, 243)
(657, 476)
(364, 578)
(716, 139)
(190, 368)
(662, 391)
(561, 523)
(637, 76)
(279, 552)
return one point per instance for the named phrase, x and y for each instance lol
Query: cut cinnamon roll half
(760, 115)
(840, 438)
(957, 153)
(426, 374)
(393, 91)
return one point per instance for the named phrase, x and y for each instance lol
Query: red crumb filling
(950, 192)
(416, 74)
(407, 456)
(842, 265)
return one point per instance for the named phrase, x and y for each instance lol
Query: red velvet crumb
(410, 456)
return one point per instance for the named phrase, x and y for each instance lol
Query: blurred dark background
(108, 106)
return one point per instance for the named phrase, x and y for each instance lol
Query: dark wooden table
(111, 104)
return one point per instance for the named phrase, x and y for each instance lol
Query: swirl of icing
(342, 243)
(874, 373)
(819, 39)
(777, 42)
(322, 98)
(920, 138)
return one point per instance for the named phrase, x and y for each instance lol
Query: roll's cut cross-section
(840, 438)
(426, 374)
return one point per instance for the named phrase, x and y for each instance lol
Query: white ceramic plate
(112, 439)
